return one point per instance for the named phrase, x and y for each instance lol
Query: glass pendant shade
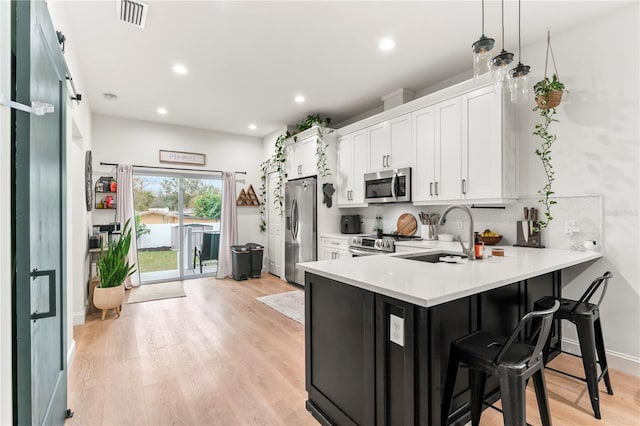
(519, 83)
(501, 67)
(481, 58)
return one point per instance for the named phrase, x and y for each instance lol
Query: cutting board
(407, 224)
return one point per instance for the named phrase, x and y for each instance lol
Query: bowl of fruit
(489, 238)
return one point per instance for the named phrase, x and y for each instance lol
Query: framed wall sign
(179, 157)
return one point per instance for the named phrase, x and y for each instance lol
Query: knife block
(526, 236)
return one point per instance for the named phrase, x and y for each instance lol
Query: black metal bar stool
(512, 362)
(586, 317)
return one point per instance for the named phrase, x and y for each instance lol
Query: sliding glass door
(178, 224)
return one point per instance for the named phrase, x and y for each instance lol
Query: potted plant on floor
(113, 269)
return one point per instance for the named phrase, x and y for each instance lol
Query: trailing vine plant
(278, 159)
(544, 153)
(542, 89)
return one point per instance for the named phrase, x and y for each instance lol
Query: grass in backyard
(150, 261)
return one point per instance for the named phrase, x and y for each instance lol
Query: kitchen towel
(328, 191)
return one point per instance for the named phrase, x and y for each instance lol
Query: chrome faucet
(469, 251)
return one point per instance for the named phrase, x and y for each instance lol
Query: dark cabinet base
(359, 372)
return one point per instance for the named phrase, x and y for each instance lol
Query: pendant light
(519, 76)
(501, 62)
(481, 49)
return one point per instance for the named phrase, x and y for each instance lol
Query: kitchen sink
(433, 257)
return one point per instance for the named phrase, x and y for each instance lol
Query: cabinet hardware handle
(388, 160)
(436, 188)
(431, 188)
(335, 243)
(383, 165)
(464, 186)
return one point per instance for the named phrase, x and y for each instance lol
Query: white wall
(597, 153)
(78, 128)
(125, 141)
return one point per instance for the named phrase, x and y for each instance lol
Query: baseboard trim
(78, 318)
(616, 360)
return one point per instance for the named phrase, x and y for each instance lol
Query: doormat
(290, 304)
(148, 292)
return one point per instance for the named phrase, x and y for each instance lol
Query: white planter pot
(108, 298)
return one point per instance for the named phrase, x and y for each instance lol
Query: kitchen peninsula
(378, 328)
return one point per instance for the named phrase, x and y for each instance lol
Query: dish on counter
(490, 241)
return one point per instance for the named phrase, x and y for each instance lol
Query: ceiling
(247, 60)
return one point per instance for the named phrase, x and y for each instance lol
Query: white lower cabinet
(334, 247)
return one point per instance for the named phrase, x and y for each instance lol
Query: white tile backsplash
(586, 211)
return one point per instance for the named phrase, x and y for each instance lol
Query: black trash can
(241, 260)
(256, 259)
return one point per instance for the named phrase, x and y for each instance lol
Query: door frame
(21, 206)
(180, 176)
(6, 305)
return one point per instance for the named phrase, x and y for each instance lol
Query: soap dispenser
(478, 245)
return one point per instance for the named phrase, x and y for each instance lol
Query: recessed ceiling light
(252, 127)
(110, 96)
(180, 69)
(299, 99)
(162, 111)
(386, 44)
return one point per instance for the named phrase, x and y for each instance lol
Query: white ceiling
(247, 60)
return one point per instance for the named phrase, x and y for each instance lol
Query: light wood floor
(220, 357)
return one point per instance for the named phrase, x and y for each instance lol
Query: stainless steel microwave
(388, 186)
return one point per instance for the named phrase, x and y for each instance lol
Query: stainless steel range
(367, 246)
(370, 245)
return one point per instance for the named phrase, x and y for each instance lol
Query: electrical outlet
(459, 224)
(396, 329)
(570, 228)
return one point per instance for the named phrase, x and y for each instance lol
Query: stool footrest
(602, 372)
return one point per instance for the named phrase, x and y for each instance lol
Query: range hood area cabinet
(391, 145)
(352, 157)
(465, 149)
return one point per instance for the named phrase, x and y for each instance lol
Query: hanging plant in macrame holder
(549, 92)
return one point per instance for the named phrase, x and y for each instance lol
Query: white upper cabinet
(352, 155)
(301, 158)
(391, 145)
(424, 133)
(459, 141)
(379, 144)
(448, 182)
(437, 133)
(488, 169)
(465, 150)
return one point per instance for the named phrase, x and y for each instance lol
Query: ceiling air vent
(132, 12)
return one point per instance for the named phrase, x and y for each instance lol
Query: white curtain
(228, 227)
(124, 212)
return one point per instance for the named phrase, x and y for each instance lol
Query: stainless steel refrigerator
(301, 226)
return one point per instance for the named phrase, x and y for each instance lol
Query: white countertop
(428, 284)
